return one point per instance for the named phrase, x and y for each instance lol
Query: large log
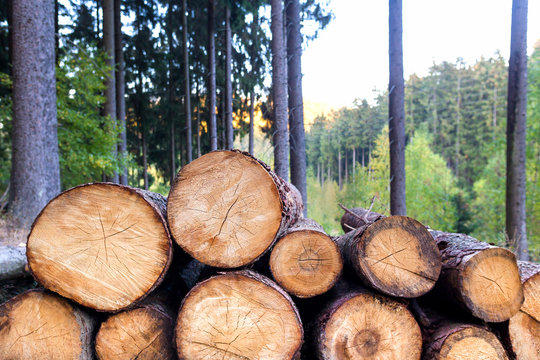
(103, 245)
(447, 339)
(482, 278)
(40, 325)
(145, 332)
(305, 261)
(227, 208)
(395, 255)
(238, 315)
(360, 324)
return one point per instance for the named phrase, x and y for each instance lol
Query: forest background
(455, 118)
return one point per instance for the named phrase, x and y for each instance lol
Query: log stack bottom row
(226, 268)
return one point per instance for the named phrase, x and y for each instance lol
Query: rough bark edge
(254, 276)
(156, 201)
(309, 225)
(12, 262)
(527, 270)
(87, 324)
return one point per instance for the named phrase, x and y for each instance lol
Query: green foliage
(5, 131)
(85, 137)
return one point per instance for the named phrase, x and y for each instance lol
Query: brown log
(145, 332)
(238, 315)
(105, 246)
(395, 255)
(227, 208)
(305, 261)
(523, 333)
(445, 338)
(40, 325)
(482, 278)
(359, 324)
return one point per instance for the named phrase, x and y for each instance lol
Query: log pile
(227, 268)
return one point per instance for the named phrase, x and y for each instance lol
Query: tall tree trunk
(279, 88)
(251, 122)
(187, 103)
(396, 112)
(198, 120)
(35, 169)
(296, 106)
(229, 143)
(144, 158)
(516, 131)
(494, 121)
(120, 91)
(56, 32)
(346, 166)
(110, 83)
(319, 173)
(170, 95)
(458, 123)
(340, 180)
(211, 96)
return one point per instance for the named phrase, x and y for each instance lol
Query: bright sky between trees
(349, 59)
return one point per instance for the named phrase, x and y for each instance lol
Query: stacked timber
(252, 279)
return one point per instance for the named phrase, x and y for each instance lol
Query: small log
(445, 338)
(359, 324)
(142, 333)
(227, 208)
(482, 278)
(40, 325)
(103, 245)
(305, 261)
(395, 255)
(529, 274)
(12, 262)
(238, 315)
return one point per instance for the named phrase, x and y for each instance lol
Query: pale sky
(350, 57)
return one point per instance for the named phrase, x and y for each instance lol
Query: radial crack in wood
(105, 246)
(40, 325)
(305, 261)
(142, 333)
(238, 315)
(226, 208)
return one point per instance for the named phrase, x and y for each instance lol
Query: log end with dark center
(306, 263)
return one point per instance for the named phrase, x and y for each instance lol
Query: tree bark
(516, 131)
(305, 261)
(12, 262)
(110, 81)
(229, 143)
(145, 332)
(120, 88)
(396, 112)
(296, 105)
(358, 324)
(170, 95)
(226, 209)
(251, 122)
(240, 315)
(187, 103)
(395, 255)
(35, 168)
(211, 96)
(279, 90)
(340, 179)
(39, 325)
(103, 245)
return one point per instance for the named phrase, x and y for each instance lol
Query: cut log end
(530, 278)
(370, 327)
(224, 209)
(238, 315)
(524, 333)
(142, 333)
(472, 342)
(491, 286)
(399, 257)
(38, 325)
(306, 263)
(103, 245)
